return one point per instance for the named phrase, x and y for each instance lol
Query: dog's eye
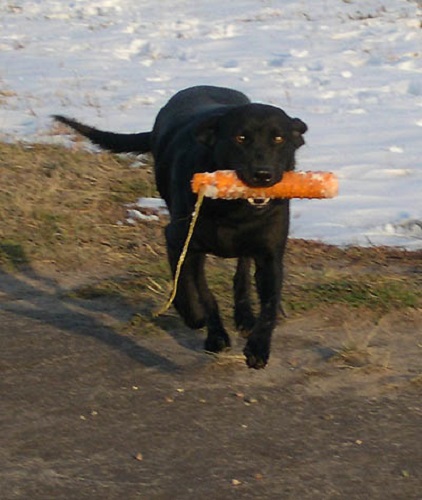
(278, 139)
(240, 139)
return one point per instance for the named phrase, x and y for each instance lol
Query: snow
(351, 69)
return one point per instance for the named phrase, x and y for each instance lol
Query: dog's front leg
(269, 276)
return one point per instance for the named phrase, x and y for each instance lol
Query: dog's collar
(258, 202)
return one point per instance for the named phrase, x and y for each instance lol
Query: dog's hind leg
(217, 338)
(187, 301)
(243, 314)
(194, 301)
(197, 305)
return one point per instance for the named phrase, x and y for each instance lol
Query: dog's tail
(117, 143)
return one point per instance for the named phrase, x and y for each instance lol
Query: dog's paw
(257, 355)
(195, 323)
(193, 314)
(218, 342)
(245, 322)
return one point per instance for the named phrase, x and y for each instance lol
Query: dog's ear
(298, 129)
(205, 132)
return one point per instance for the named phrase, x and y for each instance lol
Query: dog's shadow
(28, 294)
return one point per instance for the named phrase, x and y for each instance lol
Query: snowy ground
(351, 69)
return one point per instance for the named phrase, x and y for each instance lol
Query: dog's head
(258, 141)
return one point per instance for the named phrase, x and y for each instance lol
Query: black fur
(206, 129)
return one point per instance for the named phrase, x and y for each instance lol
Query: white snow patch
(351, 70)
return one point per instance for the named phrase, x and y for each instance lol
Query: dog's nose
(263, 176)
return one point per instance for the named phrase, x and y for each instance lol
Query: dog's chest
(246, 236)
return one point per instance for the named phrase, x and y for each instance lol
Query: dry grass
(357, 348)
(64, 208)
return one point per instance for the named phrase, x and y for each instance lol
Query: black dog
(206, 129)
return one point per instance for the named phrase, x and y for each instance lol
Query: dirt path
(88, 412)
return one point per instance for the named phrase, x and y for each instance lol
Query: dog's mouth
(258, 202)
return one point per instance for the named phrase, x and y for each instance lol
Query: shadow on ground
(89, 412)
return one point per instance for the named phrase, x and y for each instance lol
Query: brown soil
(95, 404)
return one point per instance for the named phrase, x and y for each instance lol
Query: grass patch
(12, 254)
(366, 291)
(373, 292)
(64, 208)
(103, 289)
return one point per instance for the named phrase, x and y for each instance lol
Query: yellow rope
(182, 257)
